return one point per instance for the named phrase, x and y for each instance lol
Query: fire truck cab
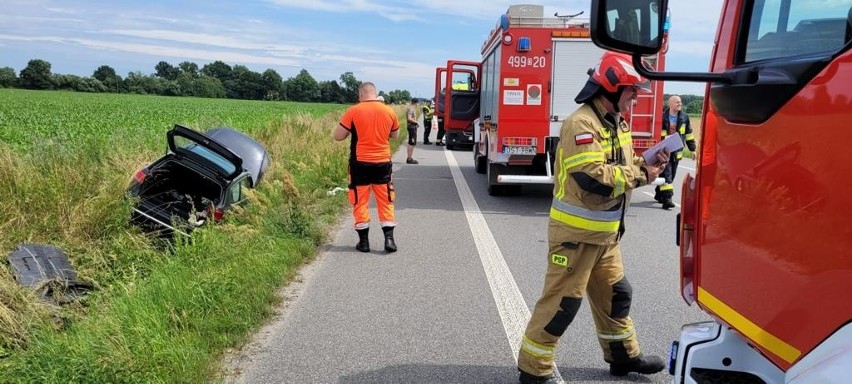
(764, 230)
(457, 100)
(532, 68)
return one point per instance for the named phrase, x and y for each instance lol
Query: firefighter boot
(364, 241)
(390, 245)
(526, 378)
(645, 365)
(667, 203)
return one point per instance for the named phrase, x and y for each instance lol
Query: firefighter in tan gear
(371, 124)
(675, 122)
(595, 171)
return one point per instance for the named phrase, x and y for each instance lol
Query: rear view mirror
(629, 26)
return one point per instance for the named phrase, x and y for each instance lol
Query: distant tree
(189, 68)
(246, 84)
(8, 78)
(106, 75)
(36, 75)
(66, 82)
(398, 96)
(219, 70)
(272, 85)
(350, 87)
(331, 92)
(303, 87)
(167, 71)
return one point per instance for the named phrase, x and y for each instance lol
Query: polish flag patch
(584, 138)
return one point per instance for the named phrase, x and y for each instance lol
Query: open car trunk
(174, 197)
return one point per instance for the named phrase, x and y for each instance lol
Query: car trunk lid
(204, 150)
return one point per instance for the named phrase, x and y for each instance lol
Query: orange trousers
(359, 197)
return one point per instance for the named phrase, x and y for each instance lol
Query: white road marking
(510, 304)
(652, 195)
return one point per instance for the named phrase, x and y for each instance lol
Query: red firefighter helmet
(615, 70)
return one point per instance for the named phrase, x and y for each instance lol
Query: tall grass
(157, 315)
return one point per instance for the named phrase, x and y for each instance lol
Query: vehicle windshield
(217, 160)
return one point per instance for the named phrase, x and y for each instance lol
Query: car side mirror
(629, 26)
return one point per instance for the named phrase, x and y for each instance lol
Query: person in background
(675, 122)
(371, 124)
(428, 112)
(596, 171)
(411, 117)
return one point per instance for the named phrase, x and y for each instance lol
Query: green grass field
(157, 315)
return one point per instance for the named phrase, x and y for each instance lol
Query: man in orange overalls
(371, 124)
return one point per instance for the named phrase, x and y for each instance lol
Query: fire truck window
(785, 28)
(631, 24)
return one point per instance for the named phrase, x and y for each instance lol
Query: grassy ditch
(156, 315)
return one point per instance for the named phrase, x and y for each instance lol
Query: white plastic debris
(335, 191)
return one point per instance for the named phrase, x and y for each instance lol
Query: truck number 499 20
(524, 61)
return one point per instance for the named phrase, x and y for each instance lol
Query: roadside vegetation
(157, 314)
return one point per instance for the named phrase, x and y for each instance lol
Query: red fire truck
(764, 230)
(457, 101)
(532, 68)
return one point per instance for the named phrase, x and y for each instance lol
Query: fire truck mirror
(629, 26)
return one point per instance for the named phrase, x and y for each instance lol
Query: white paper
(671, 142)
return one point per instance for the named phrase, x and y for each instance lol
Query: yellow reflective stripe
(559, 259)
(537, 349)
(751, 330)
(583, 158)
(679, 155)
(666, 187)
(682, 129)
(664, 134)
(617, 335)
(563, 176)
(618, 182)
(690, 137)
(625, 138)
(583, 223)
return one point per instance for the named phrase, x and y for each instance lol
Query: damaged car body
(200, 177)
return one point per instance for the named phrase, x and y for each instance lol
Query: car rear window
(213, 158)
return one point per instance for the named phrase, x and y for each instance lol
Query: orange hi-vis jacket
(370, 123)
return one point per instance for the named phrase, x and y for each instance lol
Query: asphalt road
(451, 305)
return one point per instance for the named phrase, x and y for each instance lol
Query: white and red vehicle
(764, 230)
(532, 68)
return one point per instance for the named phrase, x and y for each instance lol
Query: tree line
(692, 104)
(213, 80)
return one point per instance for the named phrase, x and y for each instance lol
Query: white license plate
(519, 150)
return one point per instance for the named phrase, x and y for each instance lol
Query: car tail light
(218, 214)
(139, 176)
(686, 239)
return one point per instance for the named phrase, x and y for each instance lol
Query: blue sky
(395, 44)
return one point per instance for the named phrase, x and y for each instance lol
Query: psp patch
(559, 260)
(584, 138)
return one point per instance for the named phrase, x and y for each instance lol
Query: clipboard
(671, 142)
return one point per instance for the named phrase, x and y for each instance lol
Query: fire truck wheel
(493, 189)
(480, 162)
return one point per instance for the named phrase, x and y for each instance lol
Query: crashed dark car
(201, 176)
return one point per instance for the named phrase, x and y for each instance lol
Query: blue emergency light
(524, 44)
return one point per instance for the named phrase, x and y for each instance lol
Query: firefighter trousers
(427, 129)
(359, 198)
(573, 270)
(666, 191)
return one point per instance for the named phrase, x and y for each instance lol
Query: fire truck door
(572, 59)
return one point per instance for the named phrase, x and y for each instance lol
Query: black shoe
(390, 244)
(526, 378)
(440, 144)
(427, 142)
(364, 240)
(411, 161)
(667, 204)
(641, 364)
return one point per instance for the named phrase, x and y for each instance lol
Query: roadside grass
(157, 315)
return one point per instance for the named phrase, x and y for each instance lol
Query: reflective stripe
(563, 176)
(690, 137)
(537, 349)
(625, 138)
(617, 335)
(679, 155)
(664, 134)
(619, 182)
(582, 158)
(682, 129)
(666, 187)
(598, 221)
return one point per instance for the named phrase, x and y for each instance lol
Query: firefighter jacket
(683, 127)
(595, 170)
